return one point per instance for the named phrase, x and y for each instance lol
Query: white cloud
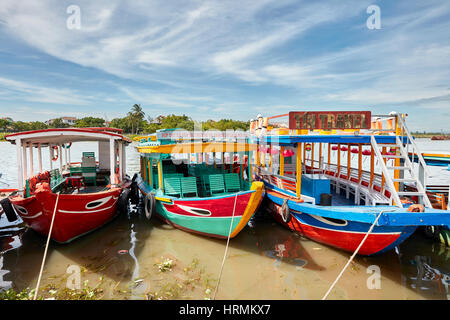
(201, 53)
(35, 93)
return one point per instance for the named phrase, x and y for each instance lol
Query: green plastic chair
(173, 175)
(189, 186)
(232, 182)
(172, 186)
(88, 154)
(75, 170)
(216, 184)
(89, 174)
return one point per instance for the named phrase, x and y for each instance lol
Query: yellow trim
(198, 147)
(281, 161)
(163, 199)
(299, 171)
(253, 203)
(150, 182)
(160, 182)
(320, 155)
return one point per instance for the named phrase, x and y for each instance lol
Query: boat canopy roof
(197, 147)
(67, 135)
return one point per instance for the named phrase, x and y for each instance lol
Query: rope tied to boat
(226, 248)
(46, 248)
(354, 254)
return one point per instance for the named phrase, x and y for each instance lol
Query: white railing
(385, 171)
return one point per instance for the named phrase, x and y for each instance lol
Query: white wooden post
(65, 155)
(69, 157)
(120, 143)
(124, 160)
(24, 163)
(20, 178)
(112, 161)
(40, 157)
(31, 160)
(50, 155)
(60, 159)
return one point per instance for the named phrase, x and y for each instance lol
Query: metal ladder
(405, 165)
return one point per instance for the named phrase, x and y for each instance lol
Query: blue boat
(340, 178)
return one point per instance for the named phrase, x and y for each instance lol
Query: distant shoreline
(417, 135)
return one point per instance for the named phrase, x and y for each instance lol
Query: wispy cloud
(14, 89)
(228, 57)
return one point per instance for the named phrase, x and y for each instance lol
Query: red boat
(83, 196)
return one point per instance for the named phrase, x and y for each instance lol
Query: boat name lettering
(329, 120)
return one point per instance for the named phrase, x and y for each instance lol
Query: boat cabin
(92, 172)
(183, 164)
(354, 157)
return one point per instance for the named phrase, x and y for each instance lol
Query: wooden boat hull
(210, 216)
(76, 214)
(342, 234)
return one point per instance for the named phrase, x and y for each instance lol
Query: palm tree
(136, 115)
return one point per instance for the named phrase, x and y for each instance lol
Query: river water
(133, 258)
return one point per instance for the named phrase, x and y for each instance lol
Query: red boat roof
(65, 135)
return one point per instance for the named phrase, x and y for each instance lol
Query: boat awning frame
(65, 135)
(182, 148)
(290, 140)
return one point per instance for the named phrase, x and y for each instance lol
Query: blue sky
(225, 59)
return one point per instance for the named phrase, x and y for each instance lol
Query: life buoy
(150, 205)
(416, 208)
(122, 202)
(8, 210)
(285, 214)
(54, 158)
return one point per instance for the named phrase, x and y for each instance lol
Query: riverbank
(3, 134)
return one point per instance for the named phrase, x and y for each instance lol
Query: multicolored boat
(339, 178)
(81, 196)
(199, 186)
(432, 159)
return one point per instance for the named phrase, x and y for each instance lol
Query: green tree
(135, 117)
(4, 124)
(38, 125)
(89, 122)
(58, 123)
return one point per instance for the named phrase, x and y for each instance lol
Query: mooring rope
(354, 254)
(46, 247)
(226, 248)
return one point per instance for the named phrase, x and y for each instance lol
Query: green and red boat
(200, 187)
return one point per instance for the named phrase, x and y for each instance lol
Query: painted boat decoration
(330, 175)
(432, 159)
(84, 195)
(186, 185)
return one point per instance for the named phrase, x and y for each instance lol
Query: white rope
(354, 254)
(46, 247)
(226, 248)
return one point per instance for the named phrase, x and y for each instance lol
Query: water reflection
(426, 271)
(266, 261)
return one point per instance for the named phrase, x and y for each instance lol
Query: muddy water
(133, 258)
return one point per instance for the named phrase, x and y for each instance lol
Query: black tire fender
(134, 191)
(122, 203)
(150, 205)
(285, 213)
(8, 210)
(432, 232)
